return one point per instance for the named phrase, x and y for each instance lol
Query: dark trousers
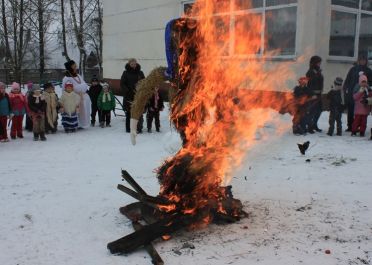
(335, 116)
(28, 123)
(150, 116)
(127, 122)
(105, 116)
(316, 112)
(3, 120)
(350, 114)
(93, 115)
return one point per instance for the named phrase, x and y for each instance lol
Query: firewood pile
(151, 221)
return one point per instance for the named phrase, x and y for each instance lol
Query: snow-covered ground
(59, 202)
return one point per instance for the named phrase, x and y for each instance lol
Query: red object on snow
(328, 251)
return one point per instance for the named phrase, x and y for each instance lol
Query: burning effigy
(211, 95)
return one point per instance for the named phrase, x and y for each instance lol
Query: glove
(133, 130)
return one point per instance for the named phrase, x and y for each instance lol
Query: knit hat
(69, 84)
(94, 79)
(15, 86)
(303, 80)
(36, 87)
(362, 55)
(362, 78)
(338, 81)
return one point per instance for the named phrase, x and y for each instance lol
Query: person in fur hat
(80, 88)
(106, 104)
(69, 102)
(5, 112)
(336, 106)
(37, 106)
(52, 106)
(128, 82)
(28, 126)
(18, 104)
(94, 91)
(361, 109)
(154, 106)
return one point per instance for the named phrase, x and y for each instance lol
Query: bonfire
(212, 92)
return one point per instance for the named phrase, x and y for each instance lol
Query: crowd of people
(77, 107)
(354, 95)
(80, 103)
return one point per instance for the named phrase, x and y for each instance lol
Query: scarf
(51, 108)
(106, 97)
(37, 99)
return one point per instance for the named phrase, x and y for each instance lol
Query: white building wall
(136, 29)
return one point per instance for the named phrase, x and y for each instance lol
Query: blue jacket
(5, 108)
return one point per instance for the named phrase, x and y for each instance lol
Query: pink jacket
(360, 108)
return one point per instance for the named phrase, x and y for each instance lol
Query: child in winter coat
(361, 109)
(154, 106)
(18, 104)
(28, 117)
(69, 104)
(336, 103)
(37, 106)
(106, 103)
(303, 100)
(5, 112)
(52, 106)
(94, 92)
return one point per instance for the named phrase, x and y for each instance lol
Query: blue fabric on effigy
(170, 53)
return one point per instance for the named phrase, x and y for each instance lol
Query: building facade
(336, 30)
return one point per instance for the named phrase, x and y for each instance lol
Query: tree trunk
(100, 25)
(8, 56)
(65, 53)
(41, 40)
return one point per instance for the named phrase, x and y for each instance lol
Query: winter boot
(108, 125)
(36, 137)
(158, 129)
(92, 124)
(102, 125)
(42, 137)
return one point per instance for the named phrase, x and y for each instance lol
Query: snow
(59, 202)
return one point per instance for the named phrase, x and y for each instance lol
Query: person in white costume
(81, 88)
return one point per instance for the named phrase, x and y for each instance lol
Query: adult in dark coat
(316, 85)
(129, 79)
(94, 91)
(352, 79)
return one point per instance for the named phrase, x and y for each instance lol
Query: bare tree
(16, 35)
(42, 16)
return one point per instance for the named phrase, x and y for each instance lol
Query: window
(275, 21)
(351, 31)
(279, 26)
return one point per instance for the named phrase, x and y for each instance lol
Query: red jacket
(18, 103)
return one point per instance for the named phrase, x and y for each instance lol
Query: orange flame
(214, 107)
